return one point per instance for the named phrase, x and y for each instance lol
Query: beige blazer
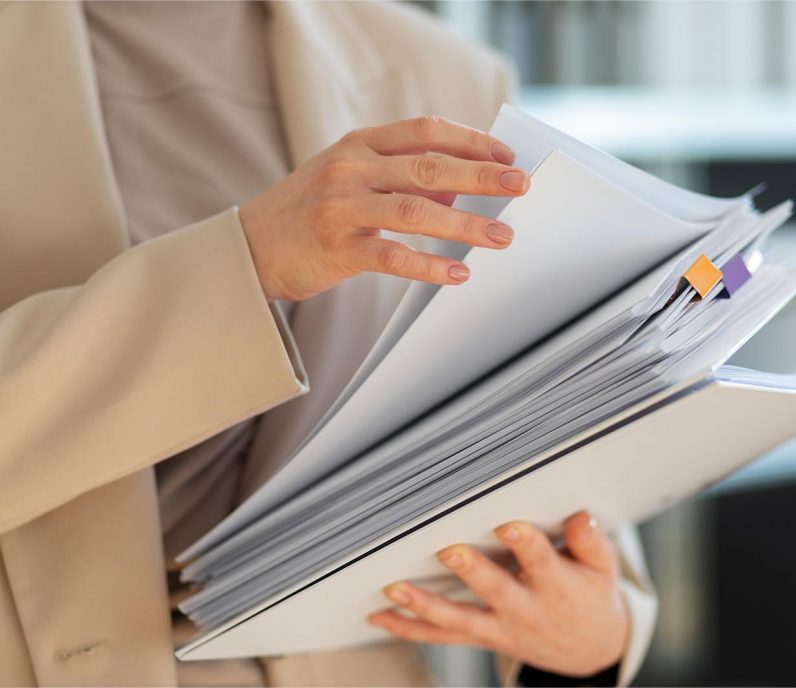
(112, 359)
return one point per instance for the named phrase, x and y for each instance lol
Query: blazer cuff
(289, 345)
(290, 348)
(642, 608)
(641, 602)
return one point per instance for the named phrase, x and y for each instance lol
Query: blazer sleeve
(642, 605)
(167, 344)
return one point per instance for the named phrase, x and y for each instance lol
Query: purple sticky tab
(734, 275)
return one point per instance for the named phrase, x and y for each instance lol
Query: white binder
(644, 460)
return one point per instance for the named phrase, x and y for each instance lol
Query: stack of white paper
(586, 319)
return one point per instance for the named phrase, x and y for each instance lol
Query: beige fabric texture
(83, 599)
(191, 132)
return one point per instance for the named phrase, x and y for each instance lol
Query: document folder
(588, 372)
(645, 460)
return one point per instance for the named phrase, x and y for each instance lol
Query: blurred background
(702, 93)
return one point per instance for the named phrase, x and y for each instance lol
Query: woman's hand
(321, 224)
(561, 612)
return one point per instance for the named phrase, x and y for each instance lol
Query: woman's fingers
(533, 551)
(417, 630)
(444, 197)
(418, 215)
(447, 615)
(490, 582)
(435, 134)
(367, 253)
(588, 543)
(435, 173)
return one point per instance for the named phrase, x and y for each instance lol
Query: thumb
(588, 543)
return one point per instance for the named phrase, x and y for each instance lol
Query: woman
(125, 344)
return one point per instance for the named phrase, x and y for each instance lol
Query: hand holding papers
(572, 382)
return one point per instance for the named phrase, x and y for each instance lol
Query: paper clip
(702, 276)
(735, 275)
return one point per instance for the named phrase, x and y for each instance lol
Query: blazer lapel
(329, 77)
(52, 147)
(87, 579)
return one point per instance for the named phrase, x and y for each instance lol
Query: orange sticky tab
(703, 276)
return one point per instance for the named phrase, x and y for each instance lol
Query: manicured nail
(502, 153)
(500, 233)
(459, 273)
(508, 534)
(451, 559)
(515, 181)
(398, 594)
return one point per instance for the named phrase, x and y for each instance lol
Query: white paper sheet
(576, 233)
(533, 140)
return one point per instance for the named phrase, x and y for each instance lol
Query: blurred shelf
(641, 123)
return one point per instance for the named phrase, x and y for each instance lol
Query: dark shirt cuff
(529, 677)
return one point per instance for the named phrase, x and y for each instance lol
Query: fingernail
(508, 533)
(592, 525)
(500, 233)
(502, 153)
(398, 594)
(459, 273)
(515, 181)
(451, 559)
